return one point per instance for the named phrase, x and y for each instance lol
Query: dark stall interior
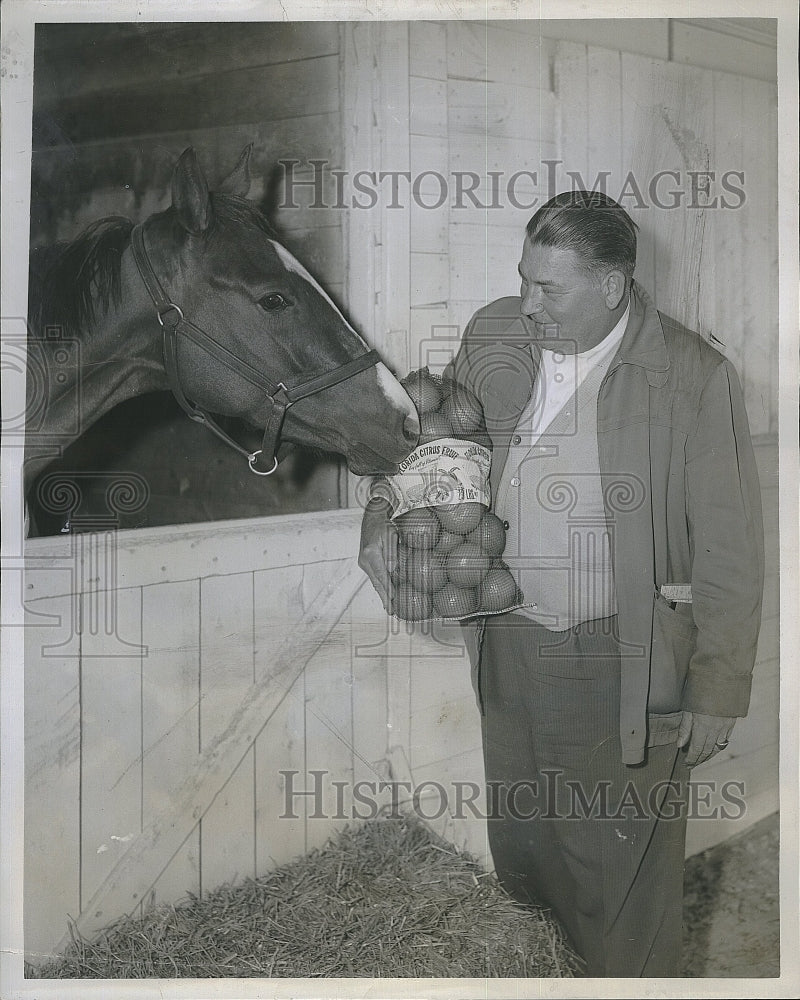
(114, 107)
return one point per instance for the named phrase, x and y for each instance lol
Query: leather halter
(173, 322)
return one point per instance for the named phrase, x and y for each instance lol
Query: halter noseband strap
(264, 461)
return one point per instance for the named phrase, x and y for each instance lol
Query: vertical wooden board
(369, 628)
(730, 282)
(451, 798)
(226, 671)
(170, 716)
(430, 194)
(111, 741)
(428, 49)
(429, 278)
(572, 92)
(604, 120)
(637, 74)
(393, 129)
(771, 224)
(514, 159)
(427, 106)
(759, 243)
(277, 600)
(52, 781)
(329, 713)
(506, 111)
(444, 730)
(484, 51)
(435, 338)
(484, 261)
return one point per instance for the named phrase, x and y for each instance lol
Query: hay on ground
(385, 899)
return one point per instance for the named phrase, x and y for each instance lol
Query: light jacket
(681, 488)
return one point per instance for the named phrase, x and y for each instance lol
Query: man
(623, 469)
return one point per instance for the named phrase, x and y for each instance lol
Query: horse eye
(272, 302)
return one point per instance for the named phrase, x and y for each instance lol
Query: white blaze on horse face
(388, 384)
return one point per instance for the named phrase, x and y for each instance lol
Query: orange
(463, 410)
(433, 425)
(419, 529)
(423, 389)
(460, 517)
(490, 535)
(498, 590)
(455, 602)
(467, 565)
(411, 604)
(426, 571)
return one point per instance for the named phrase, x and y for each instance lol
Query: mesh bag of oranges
(450, 543)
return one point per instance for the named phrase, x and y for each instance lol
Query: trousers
(570, 826)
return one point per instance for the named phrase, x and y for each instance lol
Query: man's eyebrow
(544, 281)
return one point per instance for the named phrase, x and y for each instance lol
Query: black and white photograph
(399, 499)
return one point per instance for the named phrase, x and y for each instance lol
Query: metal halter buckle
(251, 459)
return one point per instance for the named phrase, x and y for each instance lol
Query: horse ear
(190, 197)
(238, 180)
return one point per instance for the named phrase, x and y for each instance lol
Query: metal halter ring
(251, 459)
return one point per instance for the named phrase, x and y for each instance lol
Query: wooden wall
(141, 647)
(114, 107)
(154, 747)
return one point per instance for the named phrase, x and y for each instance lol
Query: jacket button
(515, 481)
(506, 525)
(516, 439)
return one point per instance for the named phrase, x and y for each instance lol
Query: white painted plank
(646, 36)
(227, 845)
(572, 92)
(186, 552)
(699, 45)
(111, 751)
(329, 736)
(147, 853)
(479, 50)
(507, 111)
(484, 262)
(281, 744)
(170, 716)
(428, 49)
(430, 278)
(52, 782)
(428, 106)
(604, 121)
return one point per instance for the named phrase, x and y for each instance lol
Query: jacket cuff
(706, 694)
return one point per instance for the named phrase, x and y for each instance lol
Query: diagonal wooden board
(150, 851)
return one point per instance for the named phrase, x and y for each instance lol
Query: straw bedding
(384, 899)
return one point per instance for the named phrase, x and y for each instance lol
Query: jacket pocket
(674, 642)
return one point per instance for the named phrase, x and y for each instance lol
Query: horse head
(256, 337)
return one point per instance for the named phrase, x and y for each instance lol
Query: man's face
(568, 306)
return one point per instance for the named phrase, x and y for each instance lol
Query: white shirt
(559, 377)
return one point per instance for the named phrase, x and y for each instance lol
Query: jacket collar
(643, 342)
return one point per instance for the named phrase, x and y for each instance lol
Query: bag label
(443, 471)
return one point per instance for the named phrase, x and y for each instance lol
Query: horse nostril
(411, 428)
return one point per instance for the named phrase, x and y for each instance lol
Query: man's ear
(613, 286)
(190, 197)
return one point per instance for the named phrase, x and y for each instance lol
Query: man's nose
(532, 303)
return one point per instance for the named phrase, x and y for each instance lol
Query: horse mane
(68, 280)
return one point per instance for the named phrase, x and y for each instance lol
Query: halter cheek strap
(264, 461)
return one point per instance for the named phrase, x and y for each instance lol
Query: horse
(203, 300)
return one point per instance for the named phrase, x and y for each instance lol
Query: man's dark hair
(592, 225)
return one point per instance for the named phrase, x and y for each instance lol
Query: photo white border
(18, 20)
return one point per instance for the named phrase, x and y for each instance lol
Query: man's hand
(705, 735)
(378, 550)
